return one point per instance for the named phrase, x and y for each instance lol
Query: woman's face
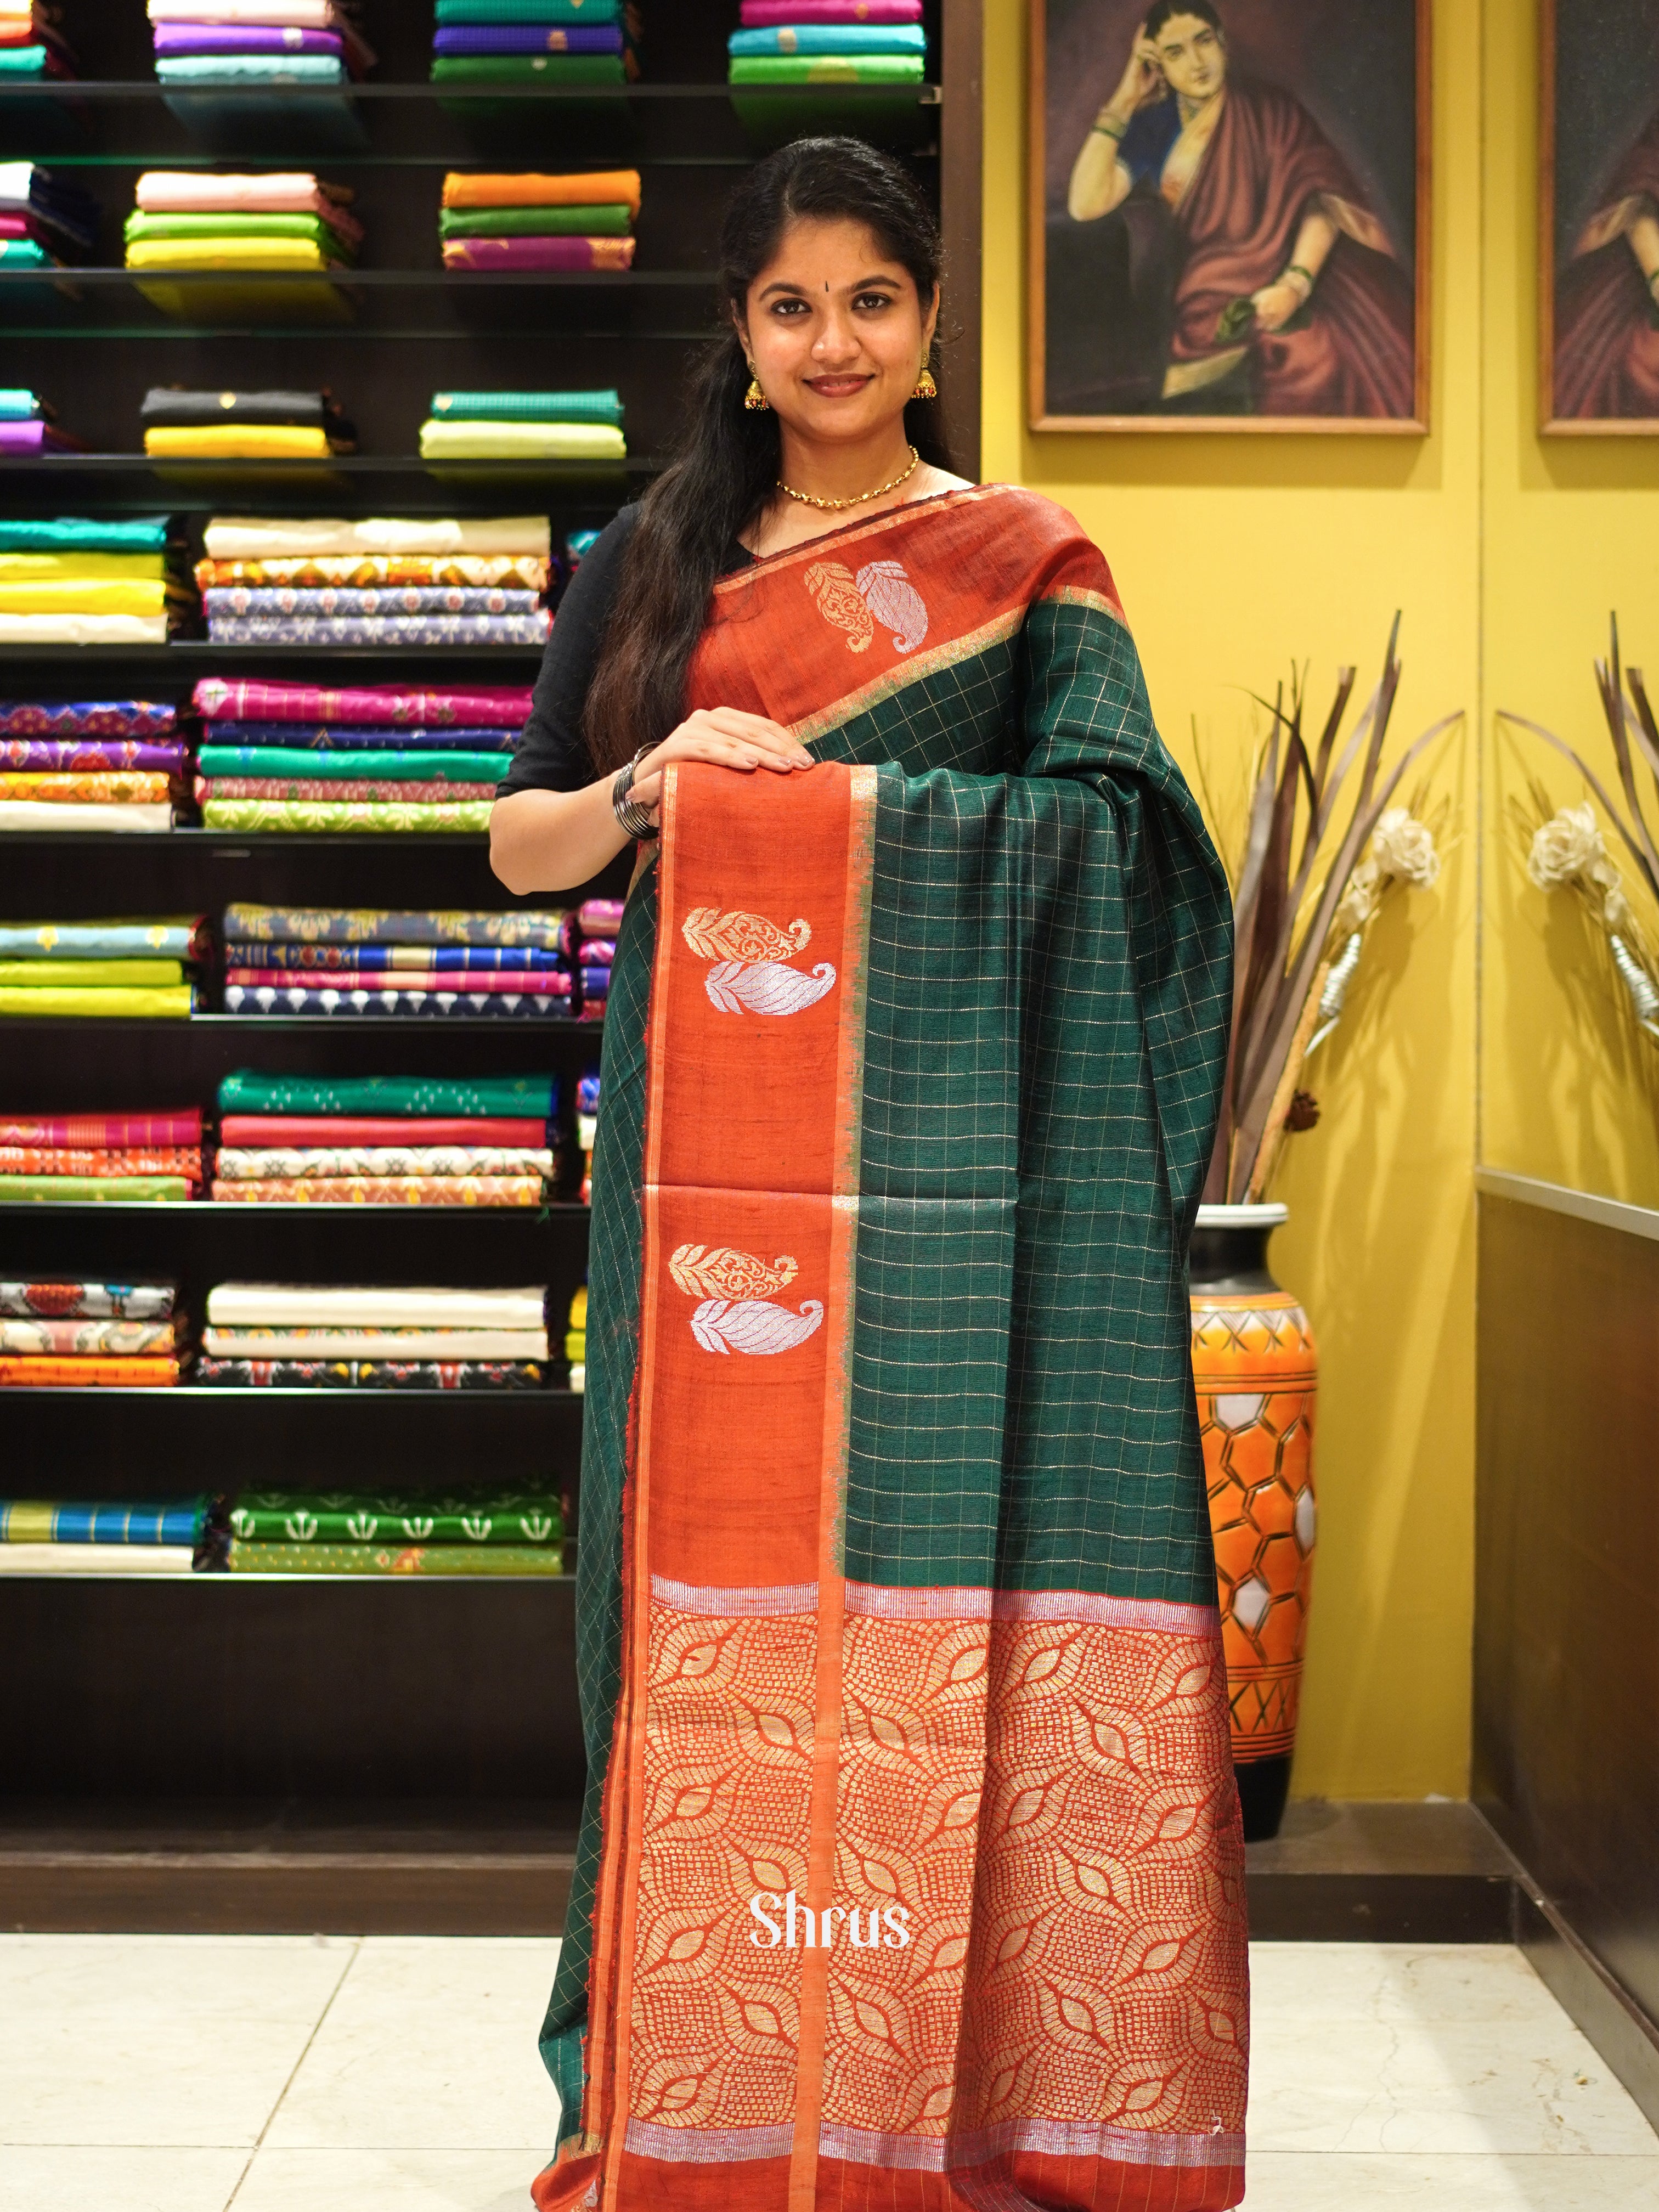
(836, 331)
(1193, 56)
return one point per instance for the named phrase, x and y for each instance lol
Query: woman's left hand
(1274, 305)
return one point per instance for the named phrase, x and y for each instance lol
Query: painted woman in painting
(1607, 300)
(1230, 263)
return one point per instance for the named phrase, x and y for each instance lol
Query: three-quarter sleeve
(552, 754)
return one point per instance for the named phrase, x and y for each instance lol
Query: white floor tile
(166, 2040)
(389, 2181)
(429, 2045)
(1285, 2182)
(54, 2179)
(1397, 1981)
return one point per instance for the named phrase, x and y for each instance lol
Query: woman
(910, 1863)
(1259, 280)
(1606, 299)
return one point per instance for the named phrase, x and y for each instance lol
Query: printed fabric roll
(522, 630)
(359, 737)
(89, 1131)
(382, 1560)
(170, 939)
(374, 599)
(235, 1163)
(64, 1338)
(512, 572)
(89, 755)
(337, 1517)
(504, 707)
(508, 982)
(244, 1092)
(376, 1305)
(371, 1374)
(242, 999)
(94, 1190)
(392, 766)
(389, 926)
(397, 1344)
(385, 1190)
(355, 961)
(317, 789)
(104, 1161)
(60, 1300)
(173, 1521)
(533, 189)
(508, 254)
(67, 721)
(316, 815)
(115, 1004)
(252, 538)
(547, 441)
(105, 787)
(22, 1371)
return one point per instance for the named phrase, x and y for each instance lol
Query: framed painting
(1598, 218)
(1229, 211)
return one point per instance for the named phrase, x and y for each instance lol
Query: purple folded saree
(20, 440)
(243, 39)
(89, 755)
(529, 38)
(532, 253)
(91, 718)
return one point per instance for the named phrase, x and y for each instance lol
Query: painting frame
(1037, 414)
(1549, 423)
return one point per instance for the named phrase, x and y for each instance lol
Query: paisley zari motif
(910, 1876)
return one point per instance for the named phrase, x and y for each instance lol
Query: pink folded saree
(533, 254)
(505, 707)
(769, 14)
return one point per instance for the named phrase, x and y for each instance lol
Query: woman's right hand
(724, 737)
(1142, 84)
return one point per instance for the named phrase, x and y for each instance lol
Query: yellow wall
(1235, 555)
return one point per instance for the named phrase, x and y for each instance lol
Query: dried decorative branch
(1296, 931)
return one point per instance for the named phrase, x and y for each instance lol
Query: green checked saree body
(910, 1875)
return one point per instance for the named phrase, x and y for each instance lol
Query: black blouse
(552, 754)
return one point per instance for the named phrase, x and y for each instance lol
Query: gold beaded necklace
(809, 499)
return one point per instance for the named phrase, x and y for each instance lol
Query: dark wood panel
(1566, 1663)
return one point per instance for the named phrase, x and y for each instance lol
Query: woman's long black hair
(726, 469)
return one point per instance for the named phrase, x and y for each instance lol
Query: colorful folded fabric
(104, 785)
(381, 629)
(96, 595)
(379, 1560)
(339, 233)
(244, 1092)
(244, 253)
(371, 926)
(551, 442)
(375, 1305)
(366, 571)
(337, 1517)
(92, 1130)
(283, 39)
(148, 1559)
(593, 220)
(390, 765)
(470, 984)
(328, 816)
(63, 1338)
(316, 789)
(360, 736)
(526, 11)
(26, 441)
(368, 1343)
(95, 1190)
(383, 1190)
(70, 533)
(261, 69)
(246, 441)
(309, 14)
(603, 187)
(48, 817)
(501, 707)
(763, 15)
(60, 208)
(534, 253)
(531, 68)
(455, 961)
(171, 1520)
(252, 538)
(184, 191)
(528, 39)
(243, 999)
(99, 1005)
(96, 1371)
(827, 69)
(805, 38)
(44, 971)
(86, 755)
(289, 1164)
(57, 1300)
(292, 1129)
(83, 629)
(103, 1161)
(109, 718)
(372, 599)
(171, 939)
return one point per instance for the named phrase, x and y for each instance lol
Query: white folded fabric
(197, 192)
(46, 814)
(547, 441)
(258, 537)
(95, 1559)
(83, 629)
(376, 1343)
(278, 1305)
(303, 15)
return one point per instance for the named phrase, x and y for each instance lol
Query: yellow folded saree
(547, 441)
(82, 567)
(241, 441)
(68, 595)
(101, 785)
(88, 975)
(256, 254)
(169, 1002)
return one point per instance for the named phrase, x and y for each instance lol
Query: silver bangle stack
(634, 818)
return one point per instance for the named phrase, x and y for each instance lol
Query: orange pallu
(911, 1873)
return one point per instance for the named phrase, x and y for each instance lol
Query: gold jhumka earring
(925, 387)
(755, 399)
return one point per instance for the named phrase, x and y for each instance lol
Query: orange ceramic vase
(1256, 1374)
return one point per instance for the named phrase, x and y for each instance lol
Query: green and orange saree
(910, 1875)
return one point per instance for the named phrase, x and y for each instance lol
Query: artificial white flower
(1569, 845)
(1404, 847)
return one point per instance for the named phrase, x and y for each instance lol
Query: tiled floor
(189, 2074)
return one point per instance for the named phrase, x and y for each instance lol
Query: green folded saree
(481, 1096)
(116, 1003)
(94, 1189)
(609, 220)
(530, 406)
(527, 11)
(308, 764)
(311, 227)
(260, 1559)
(528, 69)
(401, 816)
(69, 533)
(331, 1517)
(827, 69)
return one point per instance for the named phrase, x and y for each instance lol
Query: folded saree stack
(587, 1118)
(385, 580)
(389, 1140)
(589, 938)
(575, 1340)
(27, 429)
(86, 764)
(332, 1336)
(142, 1536)
(120, 969)
(257, 42)
(291, 756)
(68, 579)
(244, 425)
(532, 42)
(571, 223)
(346, 960)
(32, 42)
(74, 1336)
(142, 1157)
(524, 425)
(373, 1533)
(787, 42)
(46, 221)
(241, 227)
